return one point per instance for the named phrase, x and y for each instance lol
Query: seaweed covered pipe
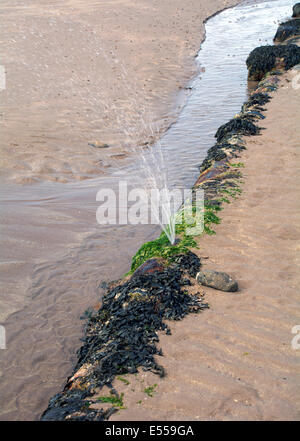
(266, 59)
(288, 29)
(241, 125)
(122, 335)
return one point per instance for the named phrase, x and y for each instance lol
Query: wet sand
(235, 361)
(82, 72)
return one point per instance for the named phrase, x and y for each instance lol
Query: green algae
(115, 400)
(150, 390)
(161, 248)
(123, 380)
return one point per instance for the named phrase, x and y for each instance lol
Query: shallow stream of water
(56, 256)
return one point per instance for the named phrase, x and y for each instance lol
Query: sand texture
(85, 71)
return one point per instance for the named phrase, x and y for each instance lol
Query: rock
(296, 10)
(149, 267)
(256, 101)
(217, 280)
(98, 145)
(288, 29)
(237, 126)
(265, 59)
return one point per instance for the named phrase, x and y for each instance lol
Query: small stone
(217, 280)
(98, 145)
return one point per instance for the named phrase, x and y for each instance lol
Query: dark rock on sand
(217, 280)
(237, 126)
(256, 99)
(264, 59)
(296, 10)
(288, 29)
(149, 267)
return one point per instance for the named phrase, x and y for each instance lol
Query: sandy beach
(85, 81)
(235, 361)
(82, 72)
(77, 73)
